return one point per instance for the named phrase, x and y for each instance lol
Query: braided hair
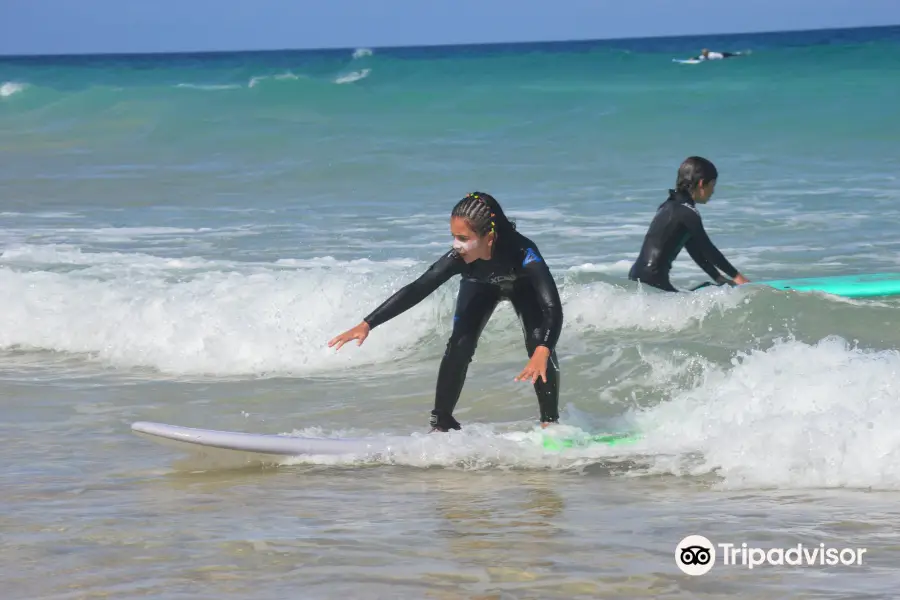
(484, 215)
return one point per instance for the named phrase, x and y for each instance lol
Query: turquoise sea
(181, 235)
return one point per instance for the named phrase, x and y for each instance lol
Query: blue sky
(79, 26)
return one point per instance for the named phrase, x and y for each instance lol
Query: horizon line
(445, 45)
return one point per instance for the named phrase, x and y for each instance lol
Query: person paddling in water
(496, 263)
(677, 225)
(705, 54)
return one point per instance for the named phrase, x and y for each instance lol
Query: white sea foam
(793, 415)
(353, 76)
(9, 88)
(194, 316)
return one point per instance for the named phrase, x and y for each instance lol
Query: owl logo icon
(695, 555)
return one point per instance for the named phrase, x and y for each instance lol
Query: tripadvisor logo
(696, 555)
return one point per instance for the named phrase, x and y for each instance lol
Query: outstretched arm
(404, 299)
(705, 253)
(411, 294)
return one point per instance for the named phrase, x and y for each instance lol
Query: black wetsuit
(677, 225)
(517, 273)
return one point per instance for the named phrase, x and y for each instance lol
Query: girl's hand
(536, 367)
(359, 333)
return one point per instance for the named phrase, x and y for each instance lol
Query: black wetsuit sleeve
(701, 260)
(547, 296)
(412, 293)
(703, 251)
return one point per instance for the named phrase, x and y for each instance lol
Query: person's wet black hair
(692, 171)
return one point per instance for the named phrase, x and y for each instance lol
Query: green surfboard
(609, 439)
(848, 286)
(867, 285)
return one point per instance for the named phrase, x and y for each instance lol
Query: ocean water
(182, 235)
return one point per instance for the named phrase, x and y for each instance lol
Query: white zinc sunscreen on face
(465, 246)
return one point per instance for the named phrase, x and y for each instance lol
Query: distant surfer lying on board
(677, 225)
(707, 55)
(496, 263)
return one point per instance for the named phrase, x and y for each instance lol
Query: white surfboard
(232, 448)
(280, 445)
